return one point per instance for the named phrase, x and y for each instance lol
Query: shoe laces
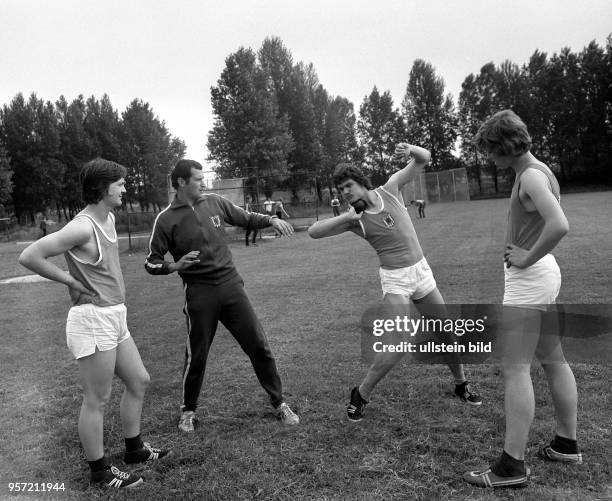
(119, 474)
(286, 411)
(188, 417)
(147, 446)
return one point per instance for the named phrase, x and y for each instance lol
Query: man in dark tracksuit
(191, 230)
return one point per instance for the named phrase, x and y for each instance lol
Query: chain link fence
(442, 186)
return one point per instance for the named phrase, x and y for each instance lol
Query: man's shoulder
(534, 177)
(166, 215)
(213, 198)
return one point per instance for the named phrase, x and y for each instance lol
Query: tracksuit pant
(205, 306)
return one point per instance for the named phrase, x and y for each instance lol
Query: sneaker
(489, 479)
(286, 415)
(547, 452)
(144, 455)
(356, 406)
(114, 477)
(463, 392)
(187, 422)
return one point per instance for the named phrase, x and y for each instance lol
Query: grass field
(415, 441)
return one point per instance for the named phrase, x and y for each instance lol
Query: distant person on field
(191, 230)
(268, 206)
(384, 222)
(420, 205)
(536, 224)
(249, 208)
(96, 329)
(335, 205)
(280, 211)
(43, 225)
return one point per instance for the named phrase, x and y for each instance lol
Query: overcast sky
(169, 53)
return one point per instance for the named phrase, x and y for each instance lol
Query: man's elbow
(23, 259)
(561, 228)
(313, 232)
(27, 259)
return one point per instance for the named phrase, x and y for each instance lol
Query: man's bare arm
(416, 157)
(535, 185)
(334, 225)
(36, 256)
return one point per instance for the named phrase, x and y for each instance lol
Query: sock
(365, 401)
(98, 467)
(133, 444)
(460, 382)
(507, 466)
(564, 445)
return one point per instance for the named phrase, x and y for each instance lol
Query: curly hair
(346, 171)
(96, 176)
(504, 134)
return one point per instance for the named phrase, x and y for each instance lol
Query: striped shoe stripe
(487, 479)
(115, 482)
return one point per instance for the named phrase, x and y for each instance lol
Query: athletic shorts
(414, 281)
(534, 287)
(89, 327)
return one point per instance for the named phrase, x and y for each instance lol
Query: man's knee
(96, 400)
(512, 370)
(144, 379)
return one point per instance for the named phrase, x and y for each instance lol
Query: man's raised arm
(416, 158)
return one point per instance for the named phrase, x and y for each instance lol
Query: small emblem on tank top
(216, 220)
(389, 221)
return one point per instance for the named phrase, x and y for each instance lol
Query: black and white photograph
(323, 250)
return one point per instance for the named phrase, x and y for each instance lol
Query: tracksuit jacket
(180, 229)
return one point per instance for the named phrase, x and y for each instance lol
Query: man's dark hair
(182, 170)
(345, 171)
(503, 134)
(96, 176)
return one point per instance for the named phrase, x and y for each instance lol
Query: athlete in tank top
(380, 217)
(102, 275)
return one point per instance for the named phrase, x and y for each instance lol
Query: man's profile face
(193, 187)
(115, 192)
(501, 161)
(351, 190)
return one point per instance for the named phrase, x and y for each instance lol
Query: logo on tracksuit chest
(216, 221)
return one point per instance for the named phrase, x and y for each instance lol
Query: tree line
(276, 124)
(43, 146)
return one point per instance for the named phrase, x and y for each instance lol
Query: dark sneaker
(489, 479)
(356, 406)
(115, 478)
(286, 415)
(464, 393)
(144, 454)
(547, 452)
(187, 422)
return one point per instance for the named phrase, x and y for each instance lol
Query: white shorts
(89, 327)
(533, 287)
(414, 281)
